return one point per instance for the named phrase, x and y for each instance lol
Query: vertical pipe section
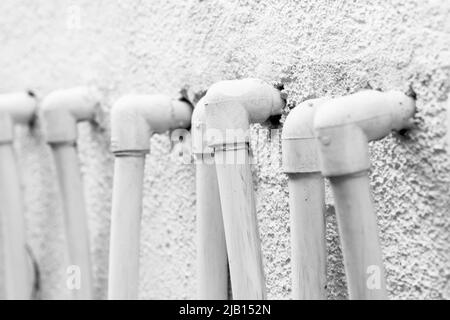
(17, 282)
(125, 229)
(359, 236)
(230, 107)
(61, 111)
(134, 119)
(241, 228)
(306, 203)
(343, 127)
(448, 126)
(212, 264)
(75, 217)
(15, 108)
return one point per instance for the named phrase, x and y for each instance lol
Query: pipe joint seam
(345, 125)
(15, 108)
(232, 147)
(62, 109)
(135, 118)
(231, 105)
(299, 145)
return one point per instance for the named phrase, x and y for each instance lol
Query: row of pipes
(321, 138)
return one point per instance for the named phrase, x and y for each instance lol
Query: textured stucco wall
(315, 48)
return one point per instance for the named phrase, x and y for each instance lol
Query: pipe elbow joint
(135, 118)
(231, 105)
(200, 148)
(61, 110)
(298, 141)
(15, 108)
(345, 125)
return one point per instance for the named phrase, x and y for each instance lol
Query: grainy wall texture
(315, 48)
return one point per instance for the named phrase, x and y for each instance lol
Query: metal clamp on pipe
(212, 264)
(15, 108)
(60, 113)
(306, 202)
(230, 107)
(134, 119)
(343, 127)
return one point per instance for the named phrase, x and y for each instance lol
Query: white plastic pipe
(448, 126)
(306, 202)
(15, 108)
(344, 126)
(134, 119)
(212, 264)
(61, 111)
(230, 107)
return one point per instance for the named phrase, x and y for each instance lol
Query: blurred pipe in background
(134, 119)
(61, 111)
(15, 108)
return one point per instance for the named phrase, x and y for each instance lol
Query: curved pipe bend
(300, 154)
(200, 148)
(230, 107)
(344, 126)
(62, 109)
(60, 112)
(134, 118)
(15, 108)
(234, 104)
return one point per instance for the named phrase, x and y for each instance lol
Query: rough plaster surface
(315, 48)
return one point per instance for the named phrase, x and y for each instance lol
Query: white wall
(315, 48)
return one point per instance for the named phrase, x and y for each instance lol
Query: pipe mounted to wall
(15, 108)
(306, 202)
(212, 264)
(230, 107)
(343, 127)
(61, 111)
(134, 119)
